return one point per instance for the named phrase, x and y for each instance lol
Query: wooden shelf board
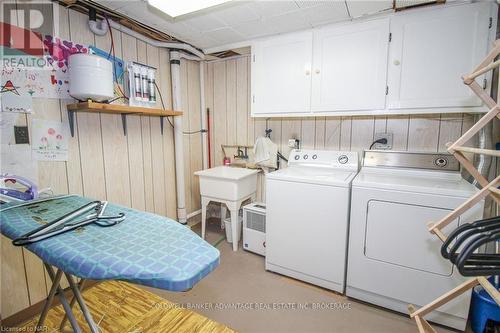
(90, 106)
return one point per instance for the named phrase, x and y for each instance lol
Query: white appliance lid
(314, 175)
(414, 180)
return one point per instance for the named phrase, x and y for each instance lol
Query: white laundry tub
(227, 183)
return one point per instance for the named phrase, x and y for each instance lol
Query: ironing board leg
(86, 313)
(64, 301)
(48, 302)
(73, 300)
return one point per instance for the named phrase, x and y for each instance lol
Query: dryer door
(394, 261)
(396, 234)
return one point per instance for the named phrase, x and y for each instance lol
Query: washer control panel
(328, 158)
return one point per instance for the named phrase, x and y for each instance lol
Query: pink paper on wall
(48, 81)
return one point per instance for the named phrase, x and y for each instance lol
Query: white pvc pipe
(204, 125)
(175, 57)
(175, 70)
(169, 45)
(100, 28)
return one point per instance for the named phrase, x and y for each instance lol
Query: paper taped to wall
(49, 140)
(15, 103)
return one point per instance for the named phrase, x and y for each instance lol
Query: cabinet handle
(317, 71)
(308, 72)
(397, 62)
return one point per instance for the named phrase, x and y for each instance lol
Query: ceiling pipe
(99, 28)
(169, 45)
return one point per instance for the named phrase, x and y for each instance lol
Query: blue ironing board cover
(145, 248)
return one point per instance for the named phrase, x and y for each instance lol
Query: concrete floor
(241, 278)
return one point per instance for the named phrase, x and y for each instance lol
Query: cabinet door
(281, 74)
(350, 66)
(431, 50)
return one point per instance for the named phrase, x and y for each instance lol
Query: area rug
(123, 307)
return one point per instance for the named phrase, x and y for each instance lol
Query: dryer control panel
(327, 158)
(411, 160)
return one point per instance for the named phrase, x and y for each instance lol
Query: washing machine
(393, 260)
(307, 216)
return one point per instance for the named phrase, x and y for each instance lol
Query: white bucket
(229, 234)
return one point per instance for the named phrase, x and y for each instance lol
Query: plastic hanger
(465, 231)
(60, 225)
(489, 264)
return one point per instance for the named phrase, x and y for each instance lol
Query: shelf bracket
(124, 123)
(71, 118)
(161, 124)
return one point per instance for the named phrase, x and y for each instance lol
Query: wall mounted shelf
(123, 110)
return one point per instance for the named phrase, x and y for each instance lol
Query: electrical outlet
(382, 146)
(21, 135)
(294, 143)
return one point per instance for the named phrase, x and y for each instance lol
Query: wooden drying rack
(123, 110)
(458, 149)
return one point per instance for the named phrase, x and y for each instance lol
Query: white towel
(265, 152)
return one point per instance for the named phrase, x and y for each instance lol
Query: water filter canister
(152, 86)
(145, 86)
(137, 82)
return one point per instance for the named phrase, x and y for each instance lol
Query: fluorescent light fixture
(175, 8)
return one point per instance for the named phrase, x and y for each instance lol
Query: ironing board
(145, 248)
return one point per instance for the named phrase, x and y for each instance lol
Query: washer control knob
(314, 156)
(343, 159)
(297, 157)
(305, 156)
(441, 162)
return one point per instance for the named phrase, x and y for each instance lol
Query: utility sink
(227, 183)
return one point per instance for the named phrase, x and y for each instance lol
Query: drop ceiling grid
(248, 20)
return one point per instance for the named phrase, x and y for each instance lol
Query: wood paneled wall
(136, 170)
(227, 94)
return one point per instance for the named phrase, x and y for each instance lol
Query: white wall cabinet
(429, 53)
(281, 72)
(349, 66)
(409, 62)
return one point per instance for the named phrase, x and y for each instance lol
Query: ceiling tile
(236, 14)
(333, 11)
(224, 35)
(178, 30)
(204, 22)
(360, 8)
(312, 3)
(267, 9)
(291, 21)
(251, 29)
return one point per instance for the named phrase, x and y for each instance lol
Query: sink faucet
(242, 154)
